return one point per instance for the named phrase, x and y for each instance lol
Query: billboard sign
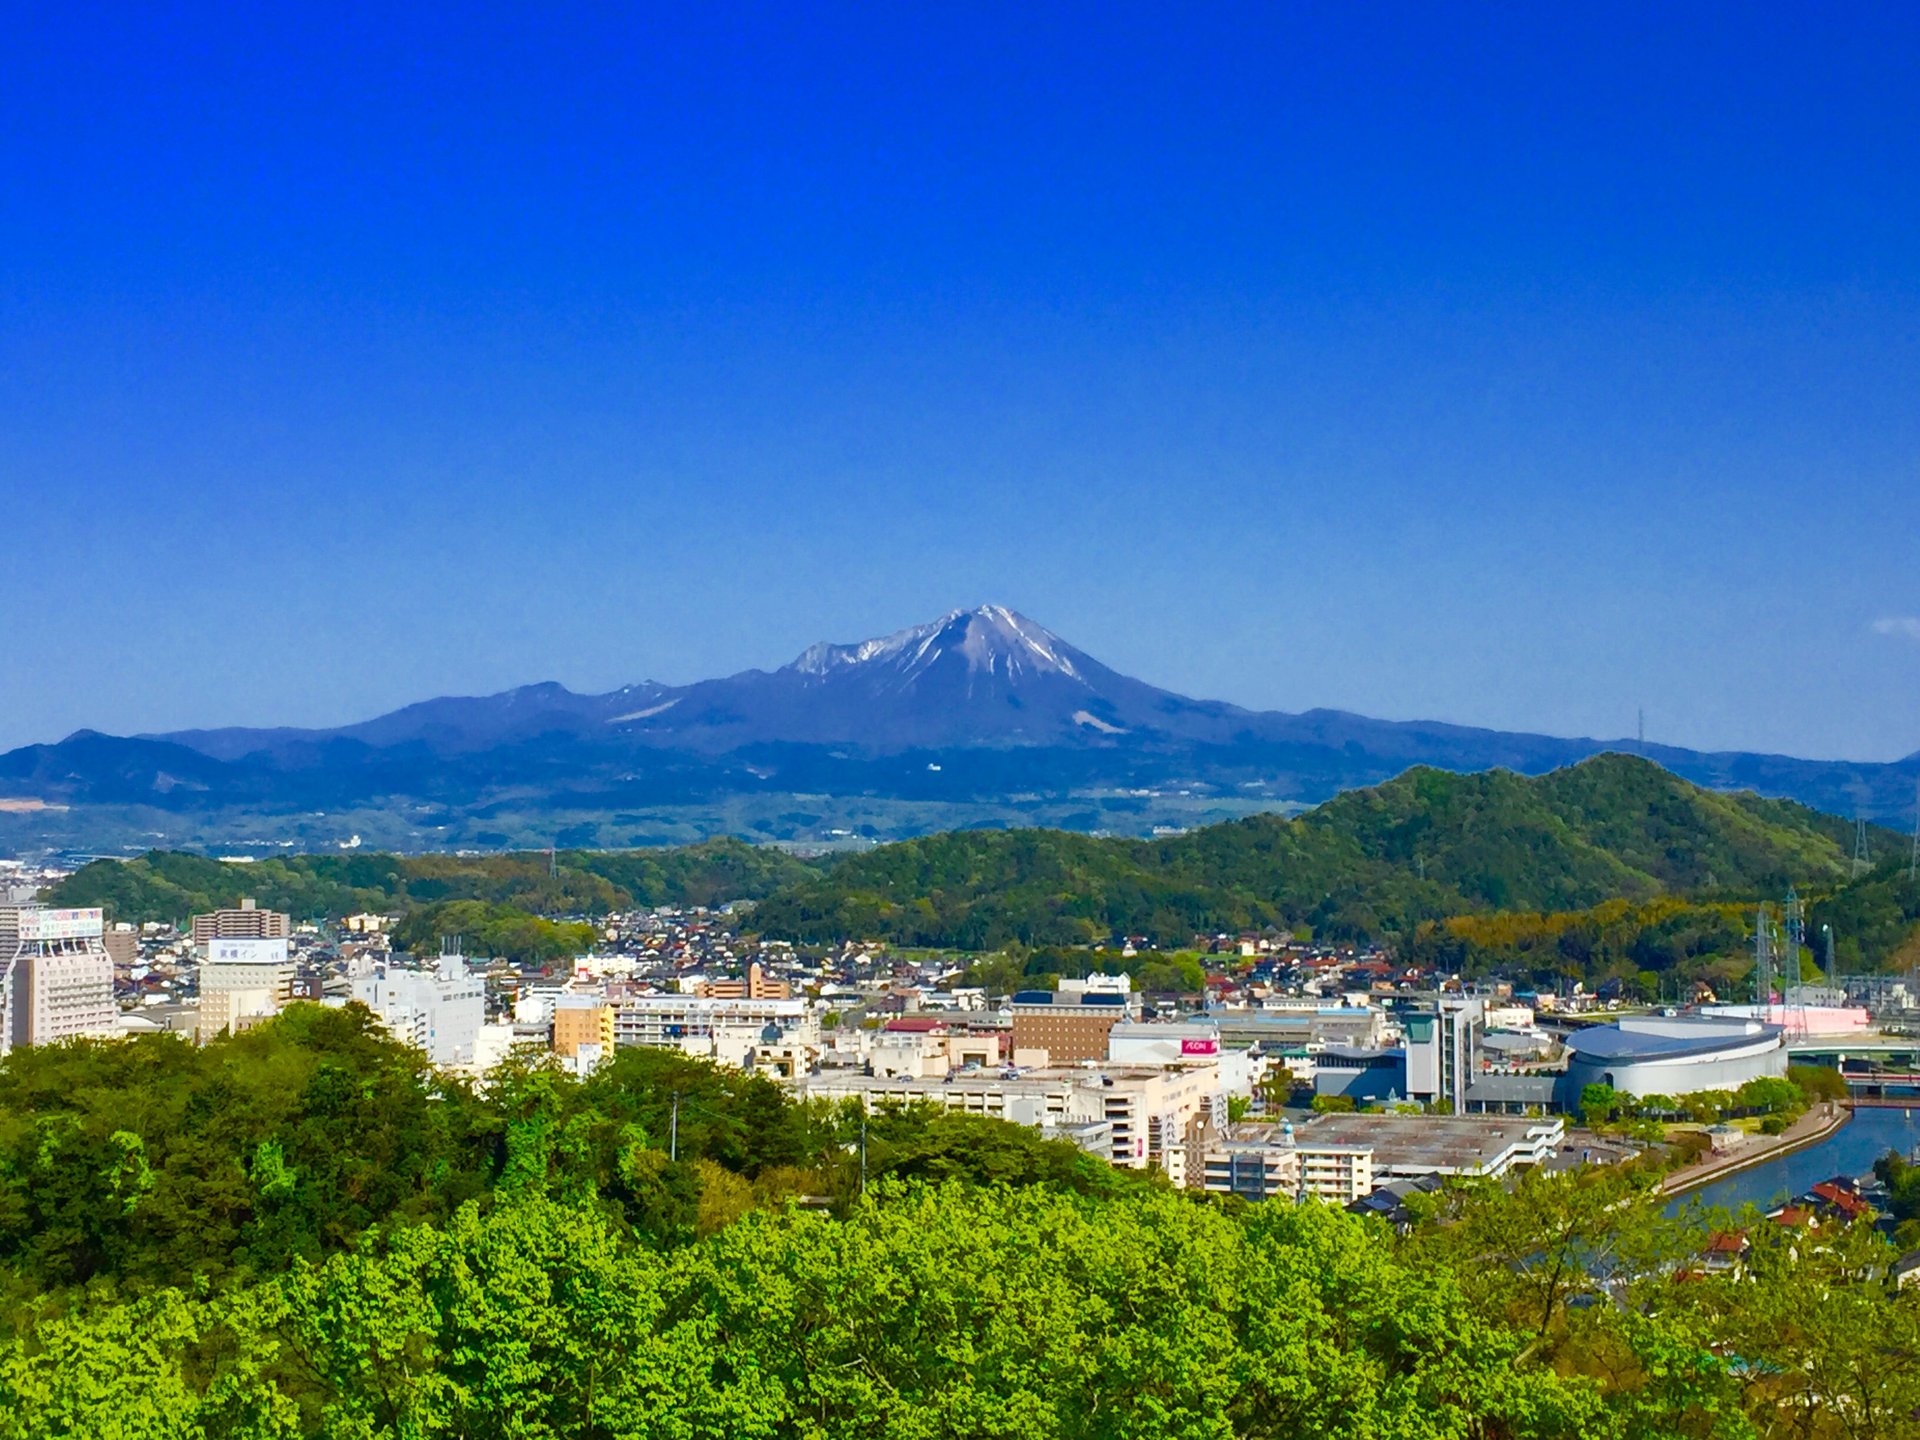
(61, 924)
(1200, 1047)
(247, 952)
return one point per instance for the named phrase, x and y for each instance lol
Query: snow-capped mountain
(987, 676)
(990, 640)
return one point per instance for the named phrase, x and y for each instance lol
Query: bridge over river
(1879, 1069)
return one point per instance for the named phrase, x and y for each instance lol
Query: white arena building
(1673, 1055)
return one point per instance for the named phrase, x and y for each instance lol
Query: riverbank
(1817, 1125)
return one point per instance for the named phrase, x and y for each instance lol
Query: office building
(1361, 1075)
(249, 922)
(756, 986)
(1443, 1051)
(56, 977)
(1435, 1064)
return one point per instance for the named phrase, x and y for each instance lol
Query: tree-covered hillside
(1381, 863)
(1428, 845)
(168, 885)
(299, 1232)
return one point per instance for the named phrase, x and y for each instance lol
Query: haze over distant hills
(979, 717)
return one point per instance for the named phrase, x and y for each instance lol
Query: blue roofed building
(1672, 1055)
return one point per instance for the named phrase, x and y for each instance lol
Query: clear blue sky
(1512, 365)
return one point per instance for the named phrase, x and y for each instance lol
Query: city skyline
(1518, 371)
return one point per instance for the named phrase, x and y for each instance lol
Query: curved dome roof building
(1674, 1055)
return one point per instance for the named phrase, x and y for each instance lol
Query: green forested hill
(1427, 845)
(168, 885)
(1380, 862)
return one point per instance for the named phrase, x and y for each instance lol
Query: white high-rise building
(439, 1011)
(56, 977)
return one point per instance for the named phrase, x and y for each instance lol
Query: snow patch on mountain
(645, 714)
(1094, 722)
(992, 640)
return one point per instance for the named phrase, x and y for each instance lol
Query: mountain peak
(987, 638)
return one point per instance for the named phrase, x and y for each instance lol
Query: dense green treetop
(299, 1232)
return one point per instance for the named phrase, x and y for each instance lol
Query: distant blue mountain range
(978, 708)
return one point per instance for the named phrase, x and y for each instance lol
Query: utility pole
(863, 1149)
(1833, 975)
(673, 1130)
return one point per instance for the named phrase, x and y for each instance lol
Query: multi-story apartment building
(1038, 1098)
(1149, 1111)
(56, 977)
(756, 986)
(1267, 1163)
(123, 945)
(1144, 1113)
(249, 922)
(582, 1020)
(708, 1025)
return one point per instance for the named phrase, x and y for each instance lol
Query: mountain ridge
(1380, 860)
(978, 714)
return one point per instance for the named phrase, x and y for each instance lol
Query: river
(1850, 1150)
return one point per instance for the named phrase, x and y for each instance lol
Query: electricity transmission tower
(1763, 961)
(1796, 937)
(1913, 863)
